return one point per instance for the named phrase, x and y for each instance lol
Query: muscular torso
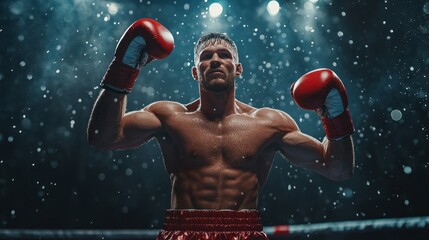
(216, 164)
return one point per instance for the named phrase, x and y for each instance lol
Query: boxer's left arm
(323, 91)
(332, 159)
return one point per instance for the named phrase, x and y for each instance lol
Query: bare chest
(236, 140)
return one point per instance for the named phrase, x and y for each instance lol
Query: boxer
(217, 150)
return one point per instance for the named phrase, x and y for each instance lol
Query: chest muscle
(236, 140)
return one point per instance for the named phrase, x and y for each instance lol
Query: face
(216, 68)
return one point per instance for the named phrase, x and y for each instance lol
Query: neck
(217, 105)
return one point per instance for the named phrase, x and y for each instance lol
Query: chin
(218, 87)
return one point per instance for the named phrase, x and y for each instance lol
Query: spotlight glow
(215, 9)
(273, 8)
(309, 6)
(112, 8)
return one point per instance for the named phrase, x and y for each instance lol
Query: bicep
(137, 127)
(331, 159)
(301, 149)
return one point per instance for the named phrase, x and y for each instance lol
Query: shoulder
(263, 113)
(270, 113)
(165, 108)
(277, 119)
(266, 113)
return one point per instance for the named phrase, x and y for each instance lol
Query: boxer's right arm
(111, 128)
(145, 40)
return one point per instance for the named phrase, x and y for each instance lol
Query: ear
(194, 73)
(239, 70)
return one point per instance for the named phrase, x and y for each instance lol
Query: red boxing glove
(323, 91)
(145, 40)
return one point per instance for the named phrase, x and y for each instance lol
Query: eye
(225, 55)
(205, 56)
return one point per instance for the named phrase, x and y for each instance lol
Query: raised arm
(109, 127)
(323, 91)
(332, 159)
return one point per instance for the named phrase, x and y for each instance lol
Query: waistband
(212, 220)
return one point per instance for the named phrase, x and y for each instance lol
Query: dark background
(54, 53)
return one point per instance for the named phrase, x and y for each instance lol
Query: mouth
(215, 71)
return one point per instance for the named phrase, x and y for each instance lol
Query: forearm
(338, 158)
(142, 42)
(322, 90)
(105, 121)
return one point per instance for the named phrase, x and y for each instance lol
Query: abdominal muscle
(214, 187)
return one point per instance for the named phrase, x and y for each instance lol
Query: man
(217, 150)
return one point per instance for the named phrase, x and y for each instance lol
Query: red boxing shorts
(212, 225)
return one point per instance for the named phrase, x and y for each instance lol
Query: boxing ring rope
(386, 224)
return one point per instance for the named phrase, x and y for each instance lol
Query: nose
(215, 61)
